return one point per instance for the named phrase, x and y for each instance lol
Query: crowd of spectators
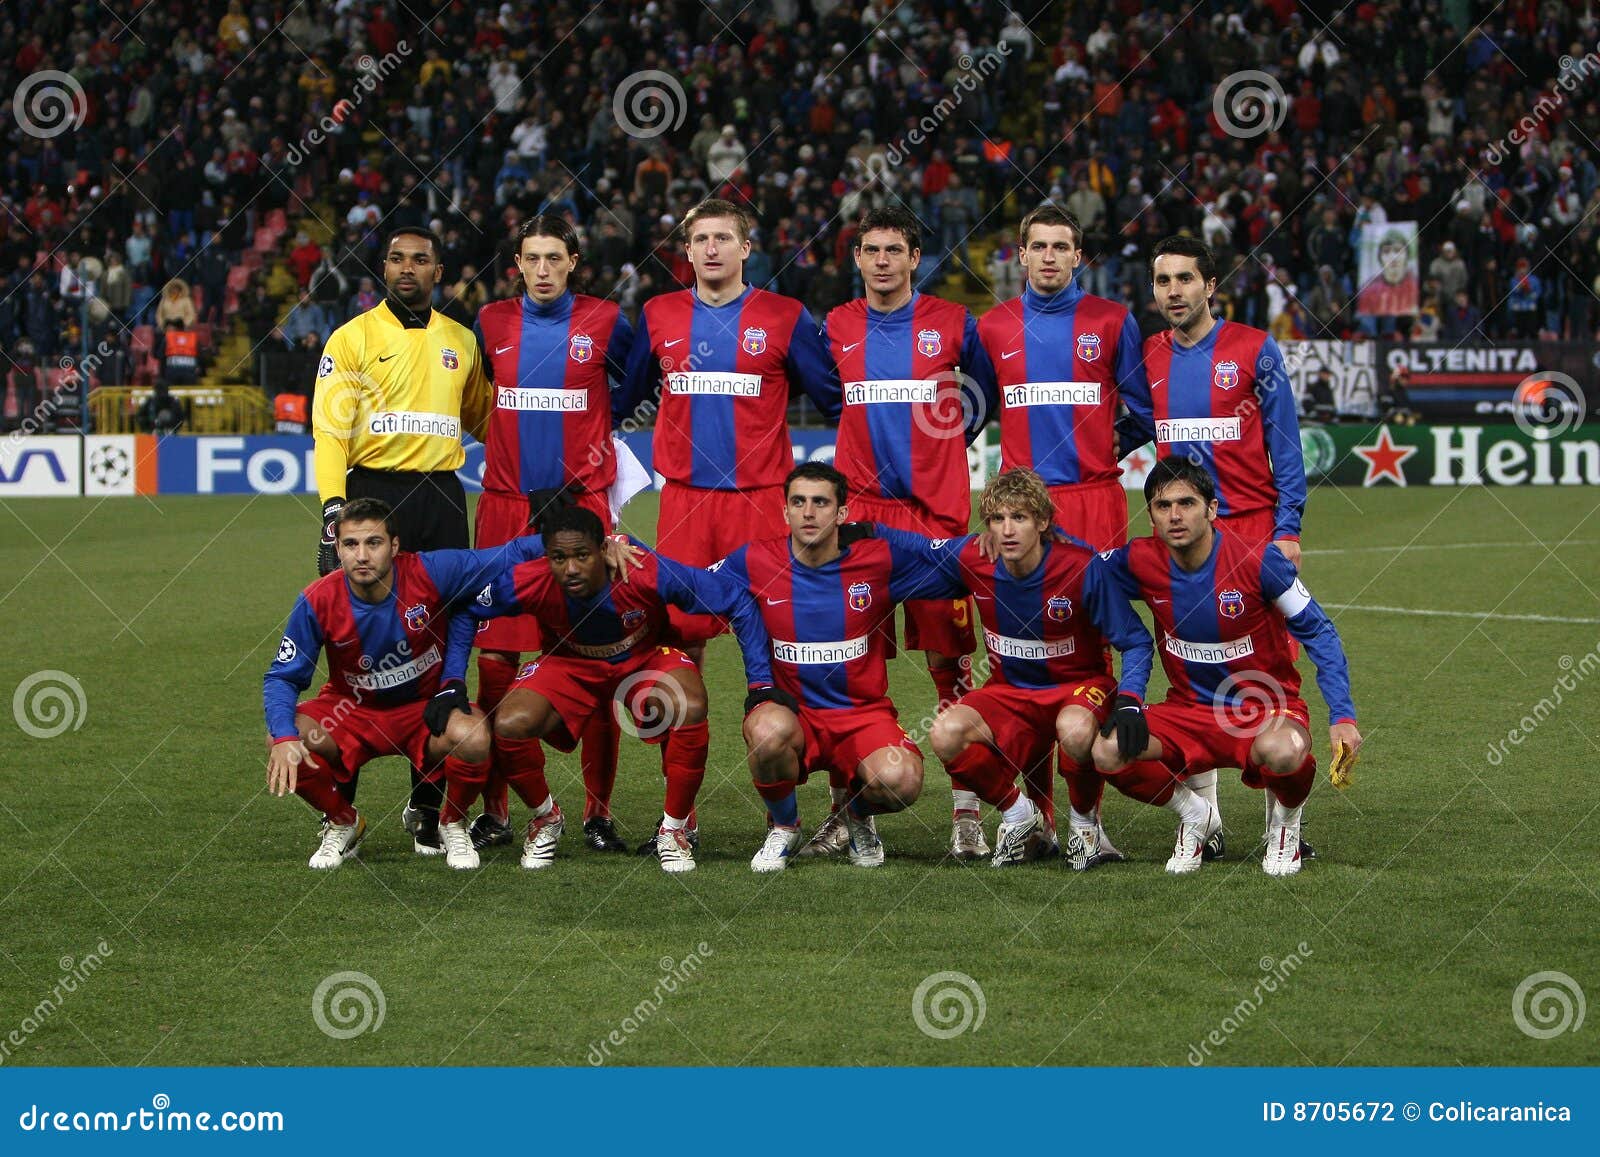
(200, 117)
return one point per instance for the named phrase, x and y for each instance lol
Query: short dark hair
(549, 225)
(417, 231)
(1179, 469)
(717, 207)
(1048, 214)
(1181, 246)
(580, 520)
(819, 472)
(368, 510)
(895, 218)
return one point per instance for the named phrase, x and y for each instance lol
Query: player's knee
(1076, 732)
(894, 782)
(770, 730)
(1280, 751)
(517, 719)
(692, 707)
(1107, 758)
(949, 736)
(469, 737)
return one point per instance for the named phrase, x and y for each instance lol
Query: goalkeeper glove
(328, 544)
(1344, 764)
(760, 695)
(450, 698)
(1128, 721)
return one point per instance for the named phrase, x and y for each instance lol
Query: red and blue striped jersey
(723, 374)
(831, 625)
(1051, 626)
(550, 364)
(383, 653)
(1226, 403)
(1223, 629)
(623, 619)
(917, 387)
(1064, 361)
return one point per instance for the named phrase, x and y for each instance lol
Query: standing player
(1220, 397)
(383, 619)
(1065, 360)
(1224, 610)
(723, 356)
(1048, 609)
(552, 355)
(394, 388)
(603, 644)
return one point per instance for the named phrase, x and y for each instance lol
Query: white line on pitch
(1452, 546)
(1456, 614)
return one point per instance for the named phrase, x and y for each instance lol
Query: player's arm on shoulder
(458, 648)
(924, 568)
(712, 591)
(1115, 618)
(1117, 566)
(1310, 624)
(292, 670)
(810, 365)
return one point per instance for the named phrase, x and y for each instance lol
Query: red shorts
(363, 732)
(1096, 512)
(577, 688)
(1255, 528)
(1195, 737)
(698, 527)
(499, 519)
(943, 626)
(839, 738)
(1023, 719)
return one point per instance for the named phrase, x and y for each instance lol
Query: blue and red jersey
(553, 367)
(1226, 403)
(384, 653)
(622, 620)
(1223, 629)
(723, 372)
(831, 625)
(1050, 626)
(917, 388)
(1064, 362)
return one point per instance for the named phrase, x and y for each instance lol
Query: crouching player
(603, 645)
(383, 619)
(1047, 608)
(1224, 610)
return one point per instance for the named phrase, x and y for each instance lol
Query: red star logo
(1384, 459)
(1136, 463)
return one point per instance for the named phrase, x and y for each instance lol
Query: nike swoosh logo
(1157, 382)
(504, 348)
(775, 602)
(669, 344)
(386, 357)
(851, 346)
(984, 598)
(1008, 356)
(1153, 602)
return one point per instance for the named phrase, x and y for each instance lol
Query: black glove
(552, 498)
(760, 695)
(1128, 721)
(328, 544)
(450, 698)
(852, 532)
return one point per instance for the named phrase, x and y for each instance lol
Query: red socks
(1085, 785)
(683, 762)
(316, 787)
(463, 783)
(947, 685)
(1292, 789)
(521, 761)
(598, 758)
(1146, 780)
(495, 677)
(1038, 782)
(980, 770)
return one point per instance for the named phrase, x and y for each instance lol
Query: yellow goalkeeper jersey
(390, 397)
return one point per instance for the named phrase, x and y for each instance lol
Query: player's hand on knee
(283, 766)
(1128, 722)
(760, 695)
(328, 544)
(450, 698)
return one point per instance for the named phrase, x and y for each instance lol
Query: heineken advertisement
(1510, 455)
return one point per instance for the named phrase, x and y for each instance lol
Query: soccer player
(394, 388)
(1048, 609)
(604, 643)
(1225, 608)
(553, 356)
(722, 356)
(1065, 360)
(383, 619)
(1220, 396)
(827, 608)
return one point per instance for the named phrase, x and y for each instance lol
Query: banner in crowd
(1388, 270)
(1386, 455)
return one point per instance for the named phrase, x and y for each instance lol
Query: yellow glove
(1344, 763)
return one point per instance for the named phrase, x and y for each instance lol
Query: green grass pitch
(1445, 878)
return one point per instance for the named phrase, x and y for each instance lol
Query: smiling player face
(366, 553)
(578, 563)
(1181, 518)
(545, 266)
(813, 513)
(1182, 294)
